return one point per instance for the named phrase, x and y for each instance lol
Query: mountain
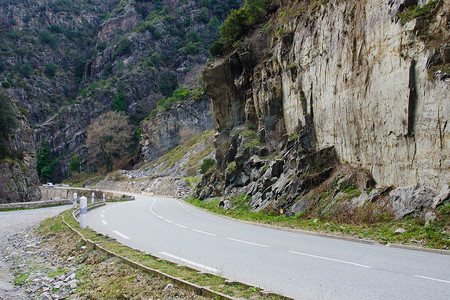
(69, 61)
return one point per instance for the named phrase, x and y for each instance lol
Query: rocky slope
(18, 177)
(341, 95)
(173, 174)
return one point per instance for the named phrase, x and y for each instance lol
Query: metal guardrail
(199, 290)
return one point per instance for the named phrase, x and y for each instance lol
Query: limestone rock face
(18, 177)
(164, 132)
(358, 75)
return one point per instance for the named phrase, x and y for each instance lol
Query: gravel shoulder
(46, 260)
(12, 222)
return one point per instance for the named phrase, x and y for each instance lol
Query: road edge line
(321, 234)
(199, 290)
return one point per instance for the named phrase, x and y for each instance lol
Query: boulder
(299, 206)
(444, 195)
(430, 216)
(411, 200)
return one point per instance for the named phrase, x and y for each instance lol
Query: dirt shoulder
(49, 261)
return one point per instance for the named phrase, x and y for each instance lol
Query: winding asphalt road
(297, 265)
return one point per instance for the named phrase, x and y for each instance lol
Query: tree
(216, 49)
(74, 164)
(118, 103)
(47, 38)
(108, 137)
(207, 164)
(45, 164)
(26, 70)
(50, 70)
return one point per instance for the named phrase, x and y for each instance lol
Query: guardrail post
(92, 198)
(75, 200)
(83, 212)
(104, 198)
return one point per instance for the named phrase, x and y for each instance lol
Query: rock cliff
(184, 121)
(18, 177)
(357, 82)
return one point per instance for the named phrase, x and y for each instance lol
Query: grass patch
(416, 11)
(445, 68)
(214, 282)
(193, 181)
(56, 273)
(21, 279)
(381, 229)
(176, 154)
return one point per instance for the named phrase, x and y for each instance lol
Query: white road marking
(249, 243)
(168, 221)
(121, 235)
(189, 262)
(103, 211)
(104, 222)
(102, 216)
(434, 279)
(179, 225)
(204, 232)
(332, 259)
(151, 208)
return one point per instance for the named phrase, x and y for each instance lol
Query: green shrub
(124, 47)
(47, 38)
(216, 49)
(239, 21)
(74, 164)
(192, 48)
(213, 24)
(203, 15)
(119, 104)
(50, 70)
(45, 163)
(26, 70)
(6, 84)
(417, 11)
(101, 46)
(233, 27)
(56, 29)
(208, 163)
(24, 111)
(8, 120)
(179, 95)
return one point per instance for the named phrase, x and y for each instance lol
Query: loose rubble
(59, 266)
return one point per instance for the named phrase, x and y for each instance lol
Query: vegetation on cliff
(8, 122)
(241, 21)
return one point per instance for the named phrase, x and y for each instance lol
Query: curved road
(297, 265)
